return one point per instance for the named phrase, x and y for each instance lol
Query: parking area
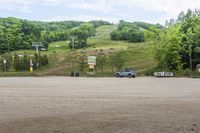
(99, 105)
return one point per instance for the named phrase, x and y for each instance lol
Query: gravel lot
(99, 105)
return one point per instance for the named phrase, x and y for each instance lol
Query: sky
(152, 11)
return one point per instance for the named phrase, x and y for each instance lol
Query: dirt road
(99, 105)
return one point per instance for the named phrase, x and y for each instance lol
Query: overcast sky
(153, 11)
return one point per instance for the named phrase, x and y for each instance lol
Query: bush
(23, 63)
(7, 66)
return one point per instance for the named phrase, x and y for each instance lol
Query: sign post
(92, 64)
(31, 66)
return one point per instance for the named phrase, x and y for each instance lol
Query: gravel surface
(99, 105)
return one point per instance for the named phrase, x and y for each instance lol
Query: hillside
(136, 55)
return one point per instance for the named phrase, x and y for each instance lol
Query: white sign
(21, 56)
(164, 74)
(4, 61)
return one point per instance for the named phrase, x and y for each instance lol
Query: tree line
(21, 62)
(177, 47)
(79, 35)
(18, 34)
(132, 32)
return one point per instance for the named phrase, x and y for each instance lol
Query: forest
(177, 47)
(18, 34)
(132, 32)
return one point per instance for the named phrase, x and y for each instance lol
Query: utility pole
(72, 38)
(73, 43)
(54, 60)
(37, 45)
(190, 55)
(5, 62)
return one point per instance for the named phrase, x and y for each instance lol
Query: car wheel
(130, 76)
(117, 75)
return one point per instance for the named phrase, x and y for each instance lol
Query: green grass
(61, 46)
(104, 31)
(136, 55)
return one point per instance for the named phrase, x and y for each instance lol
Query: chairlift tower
(73, 39)
(37, 45)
